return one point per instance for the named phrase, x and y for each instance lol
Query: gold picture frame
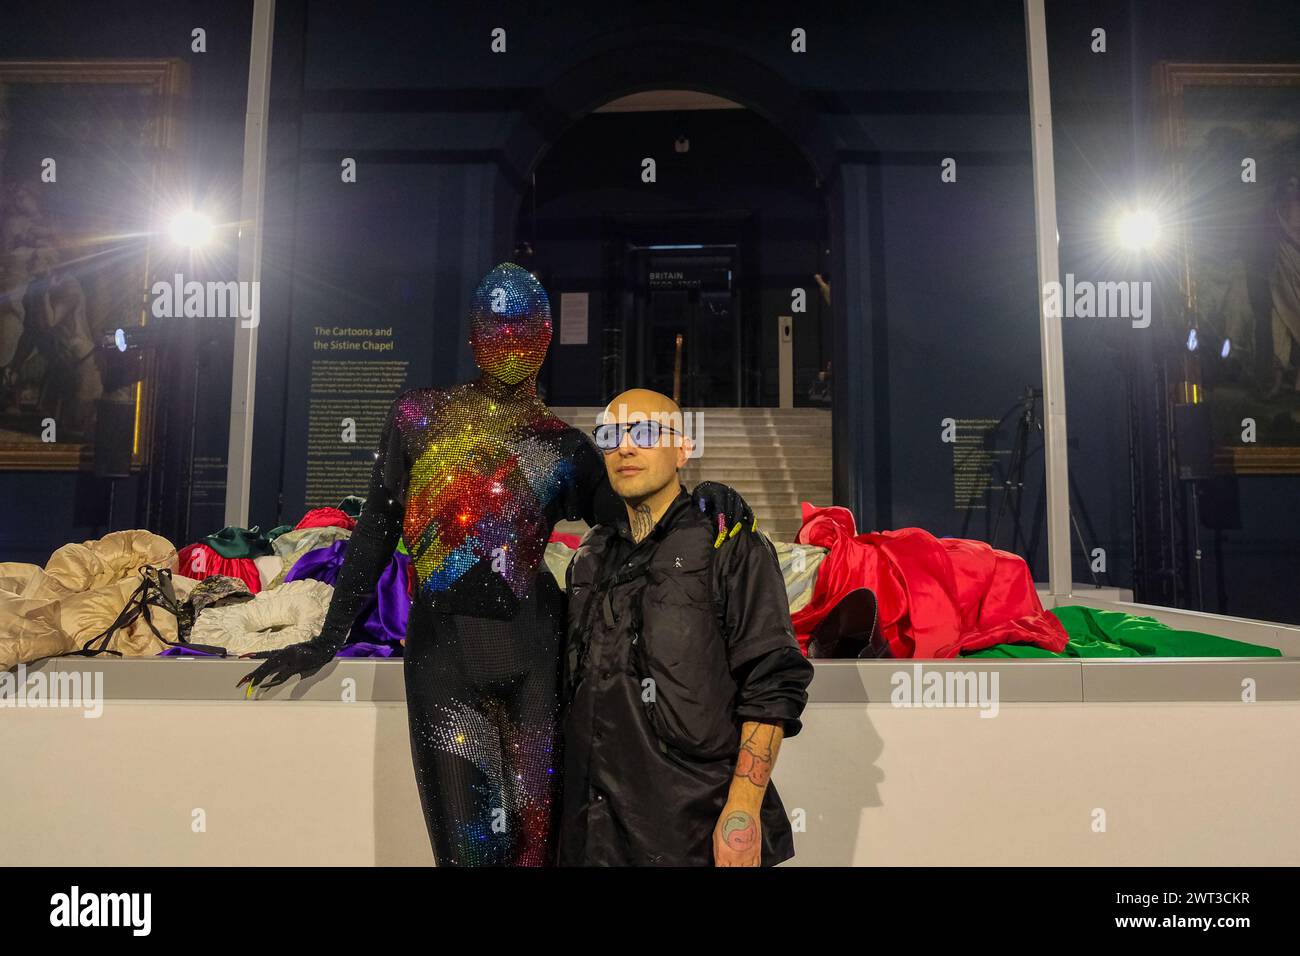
(1207, 120)
(114, 131)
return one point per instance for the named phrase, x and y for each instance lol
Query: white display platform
(1092, 762)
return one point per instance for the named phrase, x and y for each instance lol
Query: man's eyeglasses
(645, 434)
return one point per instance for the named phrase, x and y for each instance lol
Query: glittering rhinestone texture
(510, 324)
(514, 785)
(485, 465)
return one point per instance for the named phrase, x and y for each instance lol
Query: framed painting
(89, 150)
(1231, 140)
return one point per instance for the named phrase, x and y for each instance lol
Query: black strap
(155, 590)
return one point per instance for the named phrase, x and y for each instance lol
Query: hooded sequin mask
(510, 324)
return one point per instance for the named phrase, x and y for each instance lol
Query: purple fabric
(365, 649)
(385, 619)
(384, 616)
(185, 652)
(322, 564)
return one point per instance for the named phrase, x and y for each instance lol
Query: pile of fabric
(937, 597)
(240, 591)
(945, 597)
(80, 594)
(236, 591)
(1095, 633)
(280, 584)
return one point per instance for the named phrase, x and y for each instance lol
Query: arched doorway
(681, 234)
(633, 64)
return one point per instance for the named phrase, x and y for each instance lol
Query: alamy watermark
(945, 688)
(84, 689)
(1098, 300)
(130, 910)
(177, 298)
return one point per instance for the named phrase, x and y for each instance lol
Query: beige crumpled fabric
(799, 564)
(29, 631)
(557, 558)
(85, 616)
(290, 613)
(29, 581)
(29, 615)
(270, 567)
(118, 555)
(46, 612)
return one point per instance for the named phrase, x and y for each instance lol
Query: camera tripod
(1013, 482)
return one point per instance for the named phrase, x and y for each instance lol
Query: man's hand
(738, 837)
(725, 505)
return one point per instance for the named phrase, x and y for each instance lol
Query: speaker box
(114, 435)
(1193, 444)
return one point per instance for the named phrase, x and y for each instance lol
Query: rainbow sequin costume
(474, 478)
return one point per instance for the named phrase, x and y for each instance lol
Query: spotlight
(1227, 347)
(1191, 340)
(124, 353)
(1138, 230)
(133, 337)
(190, 228)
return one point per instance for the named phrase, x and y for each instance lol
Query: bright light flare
(191, 229)
(1138, 231)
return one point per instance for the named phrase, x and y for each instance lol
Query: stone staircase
(775, 457)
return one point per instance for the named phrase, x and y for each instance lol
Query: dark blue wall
(935, 284)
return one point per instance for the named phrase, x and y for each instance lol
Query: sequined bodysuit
(474, 478)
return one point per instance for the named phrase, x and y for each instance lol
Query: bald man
(683, 671)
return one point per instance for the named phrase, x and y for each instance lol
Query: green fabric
(1095, 633)
(239, 543)
(277, 531)
(352, 505)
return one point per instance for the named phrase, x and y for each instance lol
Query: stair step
(747, 477)
(765, 463)
(776, 457)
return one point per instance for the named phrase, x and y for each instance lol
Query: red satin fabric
(568, 540)
(212, 563)
(326, 518)
(937, 596)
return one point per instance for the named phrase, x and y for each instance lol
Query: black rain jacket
(673, 644)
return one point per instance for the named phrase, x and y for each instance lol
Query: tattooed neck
(642, 521)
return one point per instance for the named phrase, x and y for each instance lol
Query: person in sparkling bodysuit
(474, 479)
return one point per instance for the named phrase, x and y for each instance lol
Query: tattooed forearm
(736, 838)
(758, 753)
(642, 522)
(739, 830)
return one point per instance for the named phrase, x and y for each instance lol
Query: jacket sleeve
(774, 689)
(375, 537)
(771, 672)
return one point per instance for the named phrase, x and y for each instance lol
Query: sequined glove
(725, 504)
(295, 660)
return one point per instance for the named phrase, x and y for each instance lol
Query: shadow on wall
(844, 761)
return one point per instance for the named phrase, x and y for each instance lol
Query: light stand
(1013, 484)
